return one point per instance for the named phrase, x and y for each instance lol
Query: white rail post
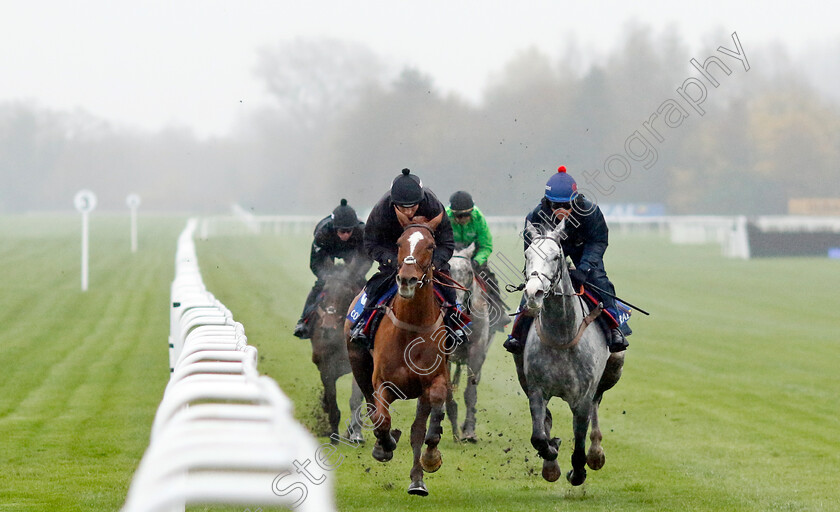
(85, 202)
(133, 202)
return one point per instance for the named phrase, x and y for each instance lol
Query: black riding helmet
(406, 189)
(344, 216)
(461, 202)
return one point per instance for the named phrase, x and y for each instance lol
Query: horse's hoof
(418, 488)
(431, 460)
(596, 459)
(551, 470)
(470, 438)
(381, 454)
(576, 478)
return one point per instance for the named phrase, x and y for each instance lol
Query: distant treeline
(731, 128)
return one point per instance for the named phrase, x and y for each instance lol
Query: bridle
(411, 260)
(553, 281)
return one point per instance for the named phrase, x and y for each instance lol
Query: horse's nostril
(412, 281)
(539, 294)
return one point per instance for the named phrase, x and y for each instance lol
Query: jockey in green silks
(470, 227)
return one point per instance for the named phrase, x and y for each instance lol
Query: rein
(454, 284)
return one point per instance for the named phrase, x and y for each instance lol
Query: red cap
(562, 168)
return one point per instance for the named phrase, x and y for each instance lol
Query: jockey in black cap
(585, 243)
(382, 231)
(339, 235)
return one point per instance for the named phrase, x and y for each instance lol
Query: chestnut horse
(408, 359)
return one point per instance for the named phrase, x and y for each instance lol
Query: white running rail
(222, 434)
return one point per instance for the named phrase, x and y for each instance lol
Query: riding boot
(455, 328)
(618, 342)
(362, 336)
(303, 328)
(515, 343)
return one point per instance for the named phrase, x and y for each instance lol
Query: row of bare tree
(344, 124)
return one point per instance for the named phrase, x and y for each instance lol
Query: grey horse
(473, 353)
(559, 362)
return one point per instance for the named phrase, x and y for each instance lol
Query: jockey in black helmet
(585, 243)
(339, 235)
(382, 231)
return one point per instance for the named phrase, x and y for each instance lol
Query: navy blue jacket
(586, 232)
(383, 229)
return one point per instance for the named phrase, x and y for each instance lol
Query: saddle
(616, 317)
(370, 317)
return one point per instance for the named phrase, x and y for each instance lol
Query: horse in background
(472, 354)
(329, 352)
(563, 357)
(409, 358)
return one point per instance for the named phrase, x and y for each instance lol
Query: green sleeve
(484, 239)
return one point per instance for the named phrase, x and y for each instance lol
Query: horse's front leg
(577, 475)
(330, 404)
(546, 447)
(436, 396)
(383, 450)
(539, 436)
(418, 434)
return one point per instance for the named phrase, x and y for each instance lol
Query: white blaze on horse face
(413, 240)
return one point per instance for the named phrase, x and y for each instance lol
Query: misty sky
(153, 64)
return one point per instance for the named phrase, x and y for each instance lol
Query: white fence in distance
(222, 433)
(729, 232)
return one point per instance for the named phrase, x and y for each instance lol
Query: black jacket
(587, 235)
(383, 229)
(326, 246)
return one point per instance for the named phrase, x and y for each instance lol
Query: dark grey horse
(472, 354)
(559, 362)
(329, 352)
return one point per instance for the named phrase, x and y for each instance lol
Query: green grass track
(729, 401)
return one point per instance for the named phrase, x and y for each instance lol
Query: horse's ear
(403, 218)
(559, 232)
(531, 230)
(436, 221)
(469, 250)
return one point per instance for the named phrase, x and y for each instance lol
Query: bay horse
(409, 358)
(473, 353)
(329, 352)
(563, 357)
